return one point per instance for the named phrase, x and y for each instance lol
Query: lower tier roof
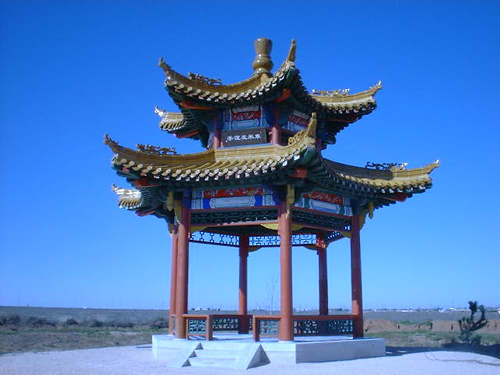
(268, 164)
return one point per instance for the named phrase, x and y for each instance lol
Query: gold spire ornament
(262, 64)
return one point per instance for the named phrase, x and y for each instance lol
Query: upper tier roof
(197, 96)
(266, 164)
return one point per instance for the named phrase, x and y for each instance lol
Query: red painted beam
(316, 212)
(188, 105)
(285, 94)
(185, 135)
(299, 173)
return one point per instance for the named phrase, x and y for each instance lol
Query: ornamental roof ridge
(332, 98)
(174, 78)
(195, 93)
(381, 181)
(363, 172)
(290, 58)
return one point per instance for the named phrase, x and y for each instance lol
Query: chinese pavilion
(262, 181)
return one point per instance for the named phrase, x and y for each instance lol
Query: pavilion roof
(264, 164)
(215, 166)
(196, 95)
(388, 181)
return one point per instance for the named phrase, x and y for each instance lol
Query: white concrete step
(235, 357)
(214, 358)
(212, 362)
(218, 345)
(222, 354)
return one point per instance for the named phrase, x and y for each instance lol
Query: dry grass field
(26, 329)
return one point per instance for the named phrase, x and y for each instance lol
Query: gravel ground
(138, 360)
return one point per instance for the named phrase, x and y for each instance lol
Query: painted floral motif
(298, 118)
(244, 116)
(325, 197)
(239, 192)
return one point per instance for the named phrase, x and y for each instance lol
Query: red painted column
(217, 138)
(243, 298)
(285, 232)
(323, 280)
(357, 297)
(173, 280)
(275, 135)
(275, 129)
(181, 299)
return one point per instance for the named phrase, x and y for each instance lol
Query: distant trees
(468, 325)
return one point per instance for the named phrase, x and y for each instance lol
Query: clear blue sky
(72, 71)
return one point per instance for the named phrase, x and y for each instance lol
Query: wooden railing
(205, 325)
(304, 325)
(322, 325)
(269, 330)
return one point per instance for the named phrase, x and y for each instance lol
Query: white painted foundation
(303, 349)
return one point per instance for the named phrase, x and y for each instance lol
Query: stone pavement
(138, 360)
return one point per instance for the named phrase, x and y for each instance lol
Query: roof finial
(262, 63)
(291, 52)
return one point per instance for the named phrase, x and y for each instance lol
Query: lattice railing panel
(274, 241)
(215, 239)
(225, 324)
(268, 327)
(196, 326)
(259, 241)
(316, 327)
(333, 236)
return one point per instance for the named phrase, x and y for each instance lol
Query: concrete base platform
(303, 349)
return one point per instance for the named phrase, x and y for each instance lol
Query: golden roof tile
(205, 89)
(242, 163)
(341, 99)
(382, 181)
(170, 121)
(128, 198)
(214, 164)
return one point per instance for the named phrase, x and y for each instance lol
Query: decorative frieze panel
(325, 202)
(333, 223)
(244, 118)
(215, 238)
(231, 198)
(296, 121)
(233, 216)
(272, 241)
(254, 241)
(334, 236)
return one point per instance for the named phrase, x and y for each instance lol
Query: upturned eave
(197, 95)
(216, 165)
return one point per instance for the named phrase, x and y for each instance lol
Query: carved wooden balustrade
(265, 326)
(304, 325)
(206, 325)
